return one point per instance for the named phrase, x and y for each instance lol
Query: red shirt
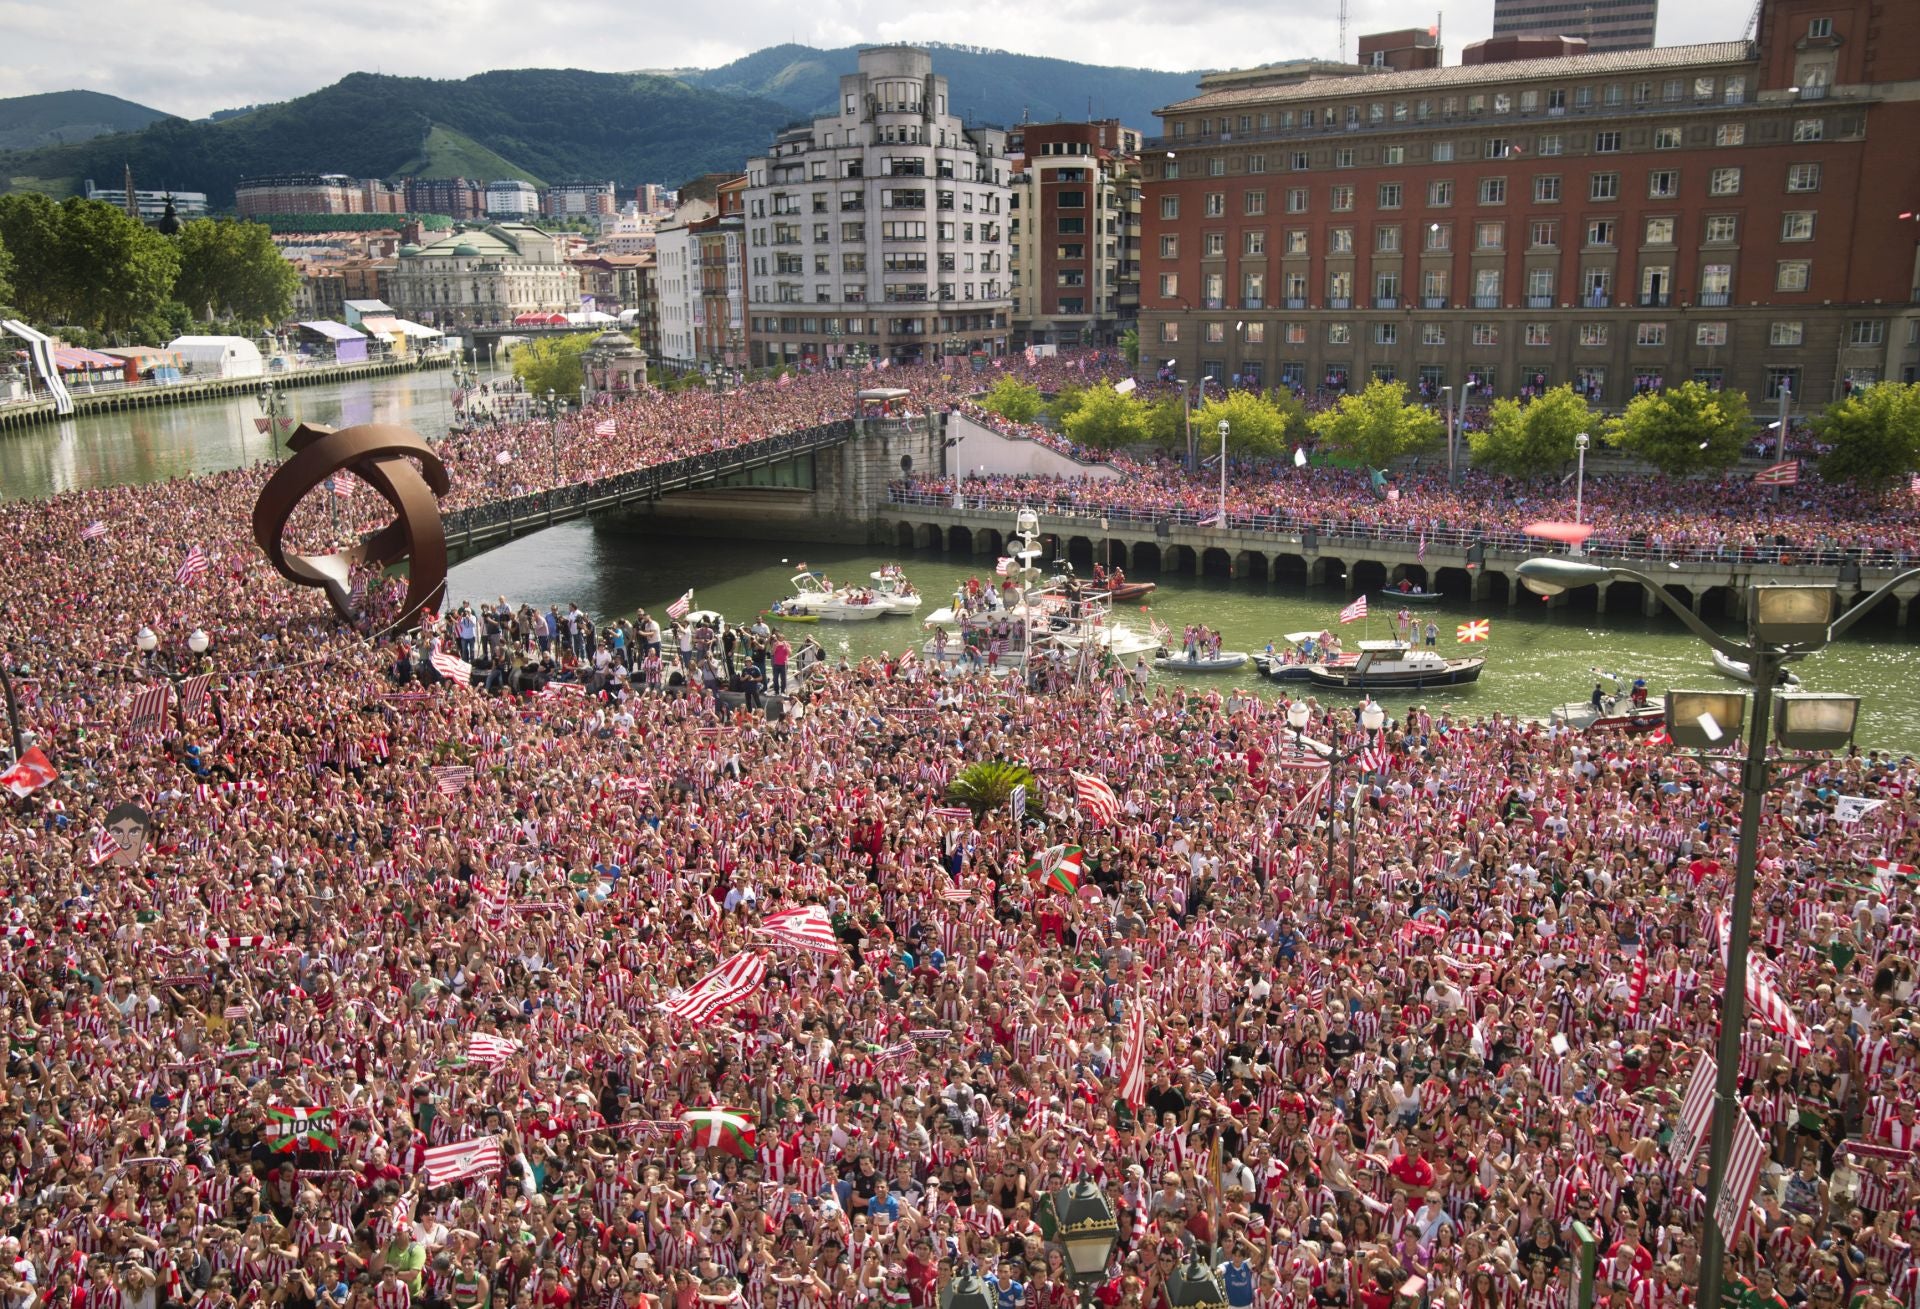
(1411, 1171)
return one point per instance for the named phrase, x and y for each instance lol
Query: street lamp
(1222, 520)
(1087, 1232)
(145, 640)
(970, 1291)
(1783, 623)
(269, 401)
(555, 407)
(1580, 483)
(1193, 1286)
(1372, 719)
(199, 641)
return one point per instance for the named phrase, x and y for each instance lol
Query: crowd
(273, 956)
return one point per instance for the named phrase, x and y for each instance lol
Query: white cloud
(215, 54)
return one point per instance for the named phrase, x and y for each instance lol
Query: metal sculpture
(384, 456)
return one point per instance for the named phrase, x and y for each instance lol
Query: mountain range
(540, 125)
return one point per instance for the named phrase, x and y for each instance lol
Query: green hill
(557, 124)
(63, 117)
(991, 85)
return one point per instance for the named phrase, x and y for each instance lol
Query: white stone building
(489, 275)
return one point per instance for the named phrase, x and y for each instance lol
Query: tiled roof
(1612, 64)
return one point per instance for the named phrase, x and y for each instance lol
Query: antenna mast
(1343, 31)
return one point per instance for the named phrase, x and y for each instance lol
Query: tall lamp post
(1087, 1232)
(555, 407)
(1783, 623)
(269, 399)
(1193, 1285)
(1224, 428)
(969, 1290)
(1580, 483)
(14, 731)
(1372, 719)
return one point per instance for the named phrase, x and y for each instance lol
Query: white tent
(218, 356)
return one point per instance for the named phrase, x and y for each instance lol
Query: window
(1663, 183)
(1169, 286)
(1703, 89)
(1256, 163)
(1735, 92)
(1785, 332)
(1606, 143)
(1659, 231)
(1256, 333)
(1782, 379)
(1603, 186)
(1433, 334)
(1439, 194)
(1723, 181)
(1253, 290)
(1171, 169)
(1170, 247)
(1298, 161)
(1215, 205)
(1793, 274)
(1443, 152)
(1502, 103)
(1819, 29)
(1216, 167)
(1340, 240)
(1254, 203)
(1169, 332)
(1296, 240)
(1386, 333)
(1064, 199)
(1803, 177)
(1297, 200)
(1546, 190)
(1253, 241)
(1390, 195)
(1497, 147)
(1486, 334)
(1386, 239)
(1296, 333)
(1710, 334)
(1796, 225)
(1489, 236)
(1486, 288)
(1730, 134)
(1343, 157)
(1213, 245)
(1600, 232)
(1170, 206)
(1339, 334)
(1068, 227)
(1867, 332)
(1544, 233)
(1593, 335)
(1551, 145)
(1666, 138)
(1673, 90)
(1651, 334)
(1493, 190)
(1809, 129)
(1539, 288)
(1393, 154)
(1340, 199)
(1722, 229)
(1439, 236)
(1216, 333)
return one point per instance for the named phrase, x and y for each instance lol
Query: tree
(553, 364)
(1690, 428)
(1130, 346)
(1014, 400)
(1874, 434)
(30, 230)
(988, 786)
(1532, 438)
(1063, 405)
(1377, 425)
(1257, 424)
(1107, 420)
(6, 270)
(117, 268)
(234, 270)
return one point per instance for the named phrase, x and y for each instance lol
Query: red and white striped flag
(563, 691)
(479, 1157)
(1004, 566)
(452, 667)
(1374, 758)
(1636, 984)
(1696, 1116)
(683, 606)
(1785, 474)
(951, 811)
(805, 928)
(1133, 1057)
(451, 779)
(149, 712)
(1355, 611)
(1891, 867)
(194, 565)
(93, 531)
(955, 894)
(193, 694)
(605, 427)
(102, 848)
(492, 1051)
(727, 985)
(1095, 797)
(226, 943)
(1743, 1173)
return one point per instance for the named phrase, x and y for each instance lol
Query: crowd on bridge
(323, 987)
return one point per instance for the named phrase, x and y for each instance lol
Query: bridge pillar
(1600, 597)
(1737, 603)
(1513, 591)
(1902, 604)
(1649, 603)
(1699, 597)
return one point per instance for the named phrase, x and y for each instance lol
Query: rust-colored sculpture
(380, 455)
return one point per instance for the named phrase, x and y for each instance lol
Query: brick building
(1606, 25)
(1726, 211)
(299, 193)
(1074, 223)
(461, 197)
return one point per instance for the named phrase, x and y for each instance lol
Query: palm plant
(989, 785)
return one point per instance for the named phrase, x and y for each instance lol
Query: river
(1536, 658)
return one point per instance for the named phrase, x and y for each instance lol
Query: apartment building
(879, 231)
(1737, 212)
(1074, 225)
(1605, 25)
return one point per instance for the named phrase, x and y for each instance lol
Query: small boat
(1225, 661)
(892, 589)
(1393, 665)
(779, 615)
(1293, 665)
(1617, 710)
(1127, 592)
(814, 596)
(1394, 597)
(1739, 671)
(711, 617)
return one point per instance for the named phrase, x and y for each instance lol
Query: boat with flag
(1393, 595)
(1302, 651)
(1395, 665)
(813, 594)
(892, 590)
(1622, 706)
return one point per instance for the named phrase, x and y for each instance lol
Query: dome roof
(409, 249)
(465, 251)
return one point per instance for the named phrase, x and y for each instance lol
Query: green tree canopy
(1874, 434)
(1256, 424)
(553, 364)
(1690, 428)
(1532, 438)
(1166, 424)
(1014, 399)
(1377, 425)
(85, 263)
(234, 270)
(1107, 420)
(6, 272)
(1130, 346)
(1063, 405)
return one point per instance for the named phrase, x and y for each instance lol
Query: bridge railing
(575, 498)
(1332, 530)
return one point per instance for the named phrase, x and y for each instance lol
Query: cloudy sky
(192, 57)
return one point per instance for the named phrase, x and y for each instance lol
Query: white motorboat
(892, 589)
(1740, 672)
(1624, 706)
(813, 596)
(1225, 661)
(1395, 665)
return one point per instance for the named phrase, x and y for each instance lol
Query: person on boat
(1406, 586)
(1433, 633)
(1639, 693)
(1599, 698)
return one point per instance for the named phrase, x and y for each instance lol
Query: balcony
(1715, 299)
(907, 168)
(1433, 302)
(1655, 300)
(1539, 302)
(1253, 302)
(1813, 92)
(1386, 302)
(1486, 302)
(857, 205)
(1339, 302)
(1300, 301)
(1597, 300)
(1212, 302)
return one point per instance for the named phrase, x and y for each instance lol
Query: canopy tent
(540, 320)
(91, 365)
(348, 346)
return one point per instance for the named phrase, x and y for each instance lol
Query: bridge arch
(1251, 564)
(1146, 556)
(904, 536)
(959, 540)
(1215, 562)
(1369, 575)
(1290, 570)
(1114, 553)
(1079, 553)
(1179, 559)
(988, 541)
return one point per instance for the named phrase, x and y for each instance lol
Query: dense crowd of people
(281, 939)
